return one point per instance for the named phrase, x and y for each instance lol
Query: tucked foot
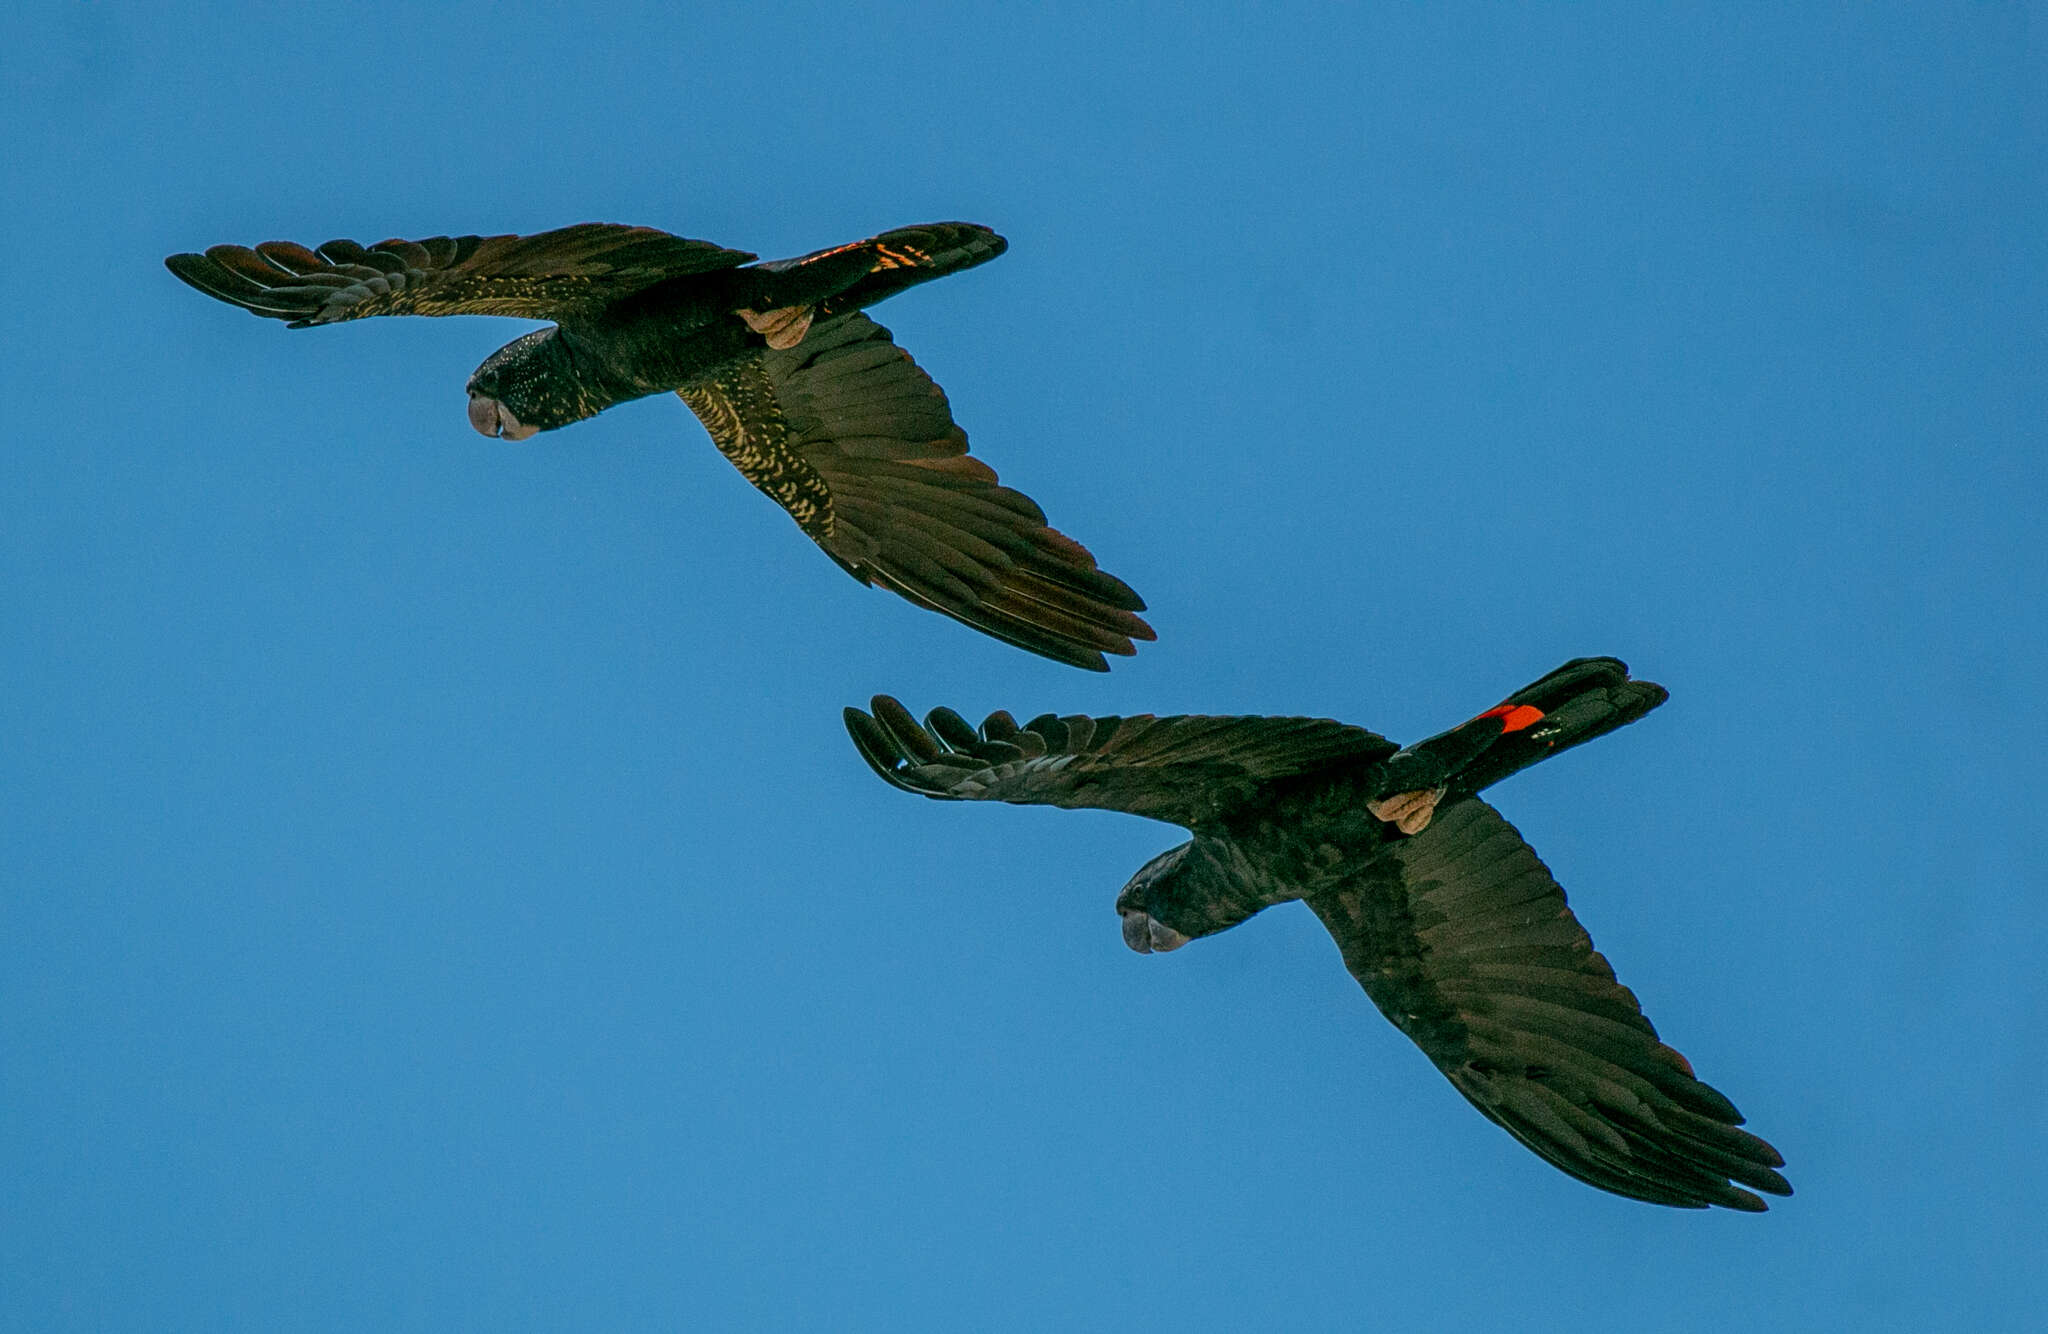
(1147, 934)
(784, 327)
(1408, 811)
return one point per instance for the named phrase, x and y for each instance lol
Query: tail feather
(860, 273)
(1584, 699)
(907, 256)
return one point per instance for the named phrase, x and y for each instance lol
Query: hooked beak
(1148, 935)
(494, 419)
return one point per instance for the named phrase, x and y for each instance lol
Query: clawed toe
(784, 327)
(1410, 812)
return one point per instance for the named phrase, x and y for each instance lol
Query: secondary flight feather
(812, 401)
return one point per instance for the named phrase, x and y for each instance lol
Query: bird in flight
(1446, 918)
(809, 399)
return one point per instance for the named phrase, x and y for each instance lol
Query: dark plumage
(807, 397)
(1444, 915)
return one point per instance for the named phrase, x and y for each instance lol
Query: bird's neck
(643, 349)
(1215, 887)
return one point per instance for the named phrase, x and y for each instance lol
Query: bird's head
(1148, 893)
(528, 386)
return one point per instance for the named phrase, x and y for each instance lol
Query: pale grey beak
(1148, 936)
(494, 419)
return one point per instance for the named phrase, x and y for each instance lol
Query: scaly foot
(784, 327)
(1408, 811)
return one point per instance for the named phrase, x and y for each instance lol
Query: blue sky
(438, 893)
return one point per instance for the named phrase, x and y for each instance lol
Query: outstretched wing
(847, 434)
(559, 275)
(1188, 771)
(1462, 938)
